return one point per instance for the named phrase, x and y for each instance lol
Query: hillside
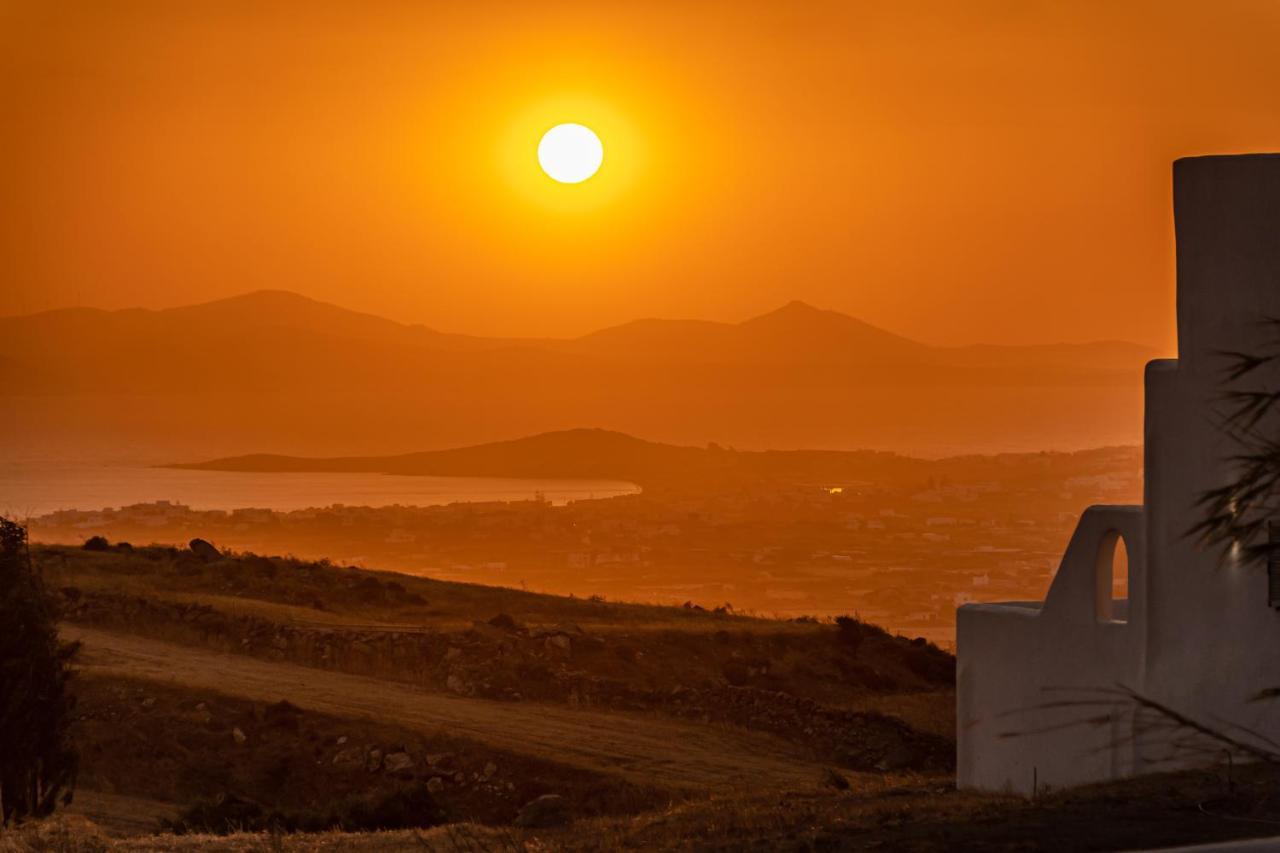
(249, 702)
(225, 659)
(593, 454)
(798, 376)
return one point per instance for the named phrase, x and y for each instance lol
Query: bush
(868, 676)
(735, 672)
(405, 807)
(505, 621)
(851, 632)
(930, 663)
(37, 762)
(97, 543)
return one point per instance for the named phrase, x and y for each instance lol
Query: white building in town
(1195, 635)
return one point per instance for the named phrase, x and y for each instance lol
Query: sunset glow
(748, 160)
(587, 426)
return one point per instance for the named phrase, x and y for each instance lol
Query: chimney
(1227, 221)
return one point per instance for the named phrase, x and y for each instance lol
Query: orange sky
(957, 172)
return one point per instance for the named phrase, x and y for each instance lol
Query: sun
(570, 153)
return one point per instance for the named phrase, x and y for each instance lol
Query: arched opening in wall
(1113, 579)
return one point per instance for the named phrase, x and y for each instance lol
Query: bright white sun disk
(570, 153)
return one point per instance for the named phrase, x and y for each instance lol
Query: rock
(342, 740)
(899, 757)
(835, 779)
(200, 715)
(547, 810)
(373, 760)
(489, 770)
(283, 714)
(455, 684)
(239, 736)
(559, 642)
(398, 762)
(439, 758)
(204, 549)
(352, 756)
(149, 702)
(435, 785)
(459, 777)
(505, 622)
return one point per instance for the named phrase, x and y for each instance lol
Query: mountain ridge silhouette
(273, 370)
(276, 308)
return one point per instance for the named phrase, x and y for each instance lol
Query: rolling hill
(597, 454)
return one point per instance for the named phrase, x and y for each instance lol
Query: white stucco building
(1194, 634)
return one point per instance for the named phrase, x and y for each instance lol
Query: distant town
(901, 554)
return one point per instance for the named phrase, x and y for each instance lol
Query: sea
(29, 489)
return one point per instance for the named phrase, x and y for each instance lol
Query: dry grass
(895, 814)
(70, 834)
(165, 571)
(676, 646)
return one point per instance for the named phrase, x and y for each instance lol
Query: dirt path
(645, 749)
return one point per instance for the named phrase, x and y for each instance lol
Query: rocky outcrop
(545, 811)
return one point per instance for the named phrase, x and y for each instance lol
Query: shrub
(868, 676)
(930, 663)
(96, 543)
(735, 672)
(222, 814)
(404, 807)
(505, 621)
(851, 632)
(37, 762)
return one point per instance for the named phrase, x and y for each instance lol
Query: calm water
(35, 488)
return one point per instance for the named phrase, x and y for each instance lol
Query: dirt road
(645, 749)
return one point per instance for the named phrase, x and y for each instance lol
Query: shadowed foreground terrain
(224, 693)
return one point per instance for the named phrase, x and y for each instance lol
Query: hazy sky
(954, 171)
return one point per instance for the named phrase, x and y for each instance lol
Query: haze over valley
(276, 372)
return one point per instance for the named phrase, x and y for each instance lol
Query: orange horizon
(982, 174)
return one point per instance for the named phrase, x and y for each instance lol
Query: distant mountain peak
(266, 298)
(795, 309)
(808, 325)
(797, 306)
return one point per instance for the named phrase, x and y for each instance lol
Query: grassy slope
(654, 702)
(648, 646)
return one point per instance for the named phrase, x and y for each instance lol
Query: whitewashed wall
(1196, 634)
